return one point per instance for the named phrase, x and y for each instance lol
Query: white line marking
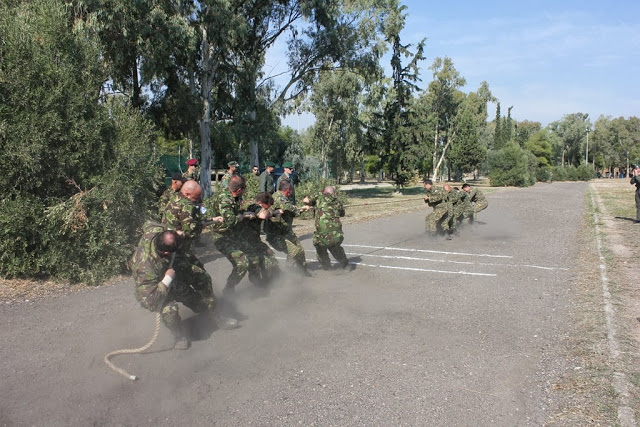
(427, 250)
(493, 264)
(466, 273)
(620, 382)
(425, 269)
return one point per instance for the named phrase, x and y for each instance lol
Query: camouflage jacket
(229, 208)
(224, 182)
(476, 196)
(248, 230)
(169, 195)
(435, 196)
(328, 212)
(282, 224)
(452, 197)
(293, 187)
(181, 214)
(195, 176)
(147, 267)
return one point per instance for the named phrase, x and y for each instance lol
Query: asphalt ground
(471, 331)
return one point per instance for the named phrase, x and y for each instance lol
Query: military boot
(447, 235)
(182, 341)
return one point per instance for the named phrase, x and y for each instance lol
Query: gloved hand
(165, 284)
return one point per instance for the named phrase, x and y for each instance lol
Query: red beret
(192, 162)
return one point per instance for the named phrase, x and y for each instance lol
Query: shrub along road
(473, 331)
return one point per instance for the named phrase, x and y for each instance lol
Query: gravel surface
(472, 331)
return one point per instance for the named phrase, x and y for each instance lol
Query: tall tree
(445, 97)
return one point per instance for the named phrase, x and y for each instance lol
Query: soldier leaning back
(280, 233)
(436, 198)
(328, 235)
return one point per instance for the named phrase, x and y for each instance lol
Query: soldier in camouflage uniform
(185, 215)
(287, 175)
(477, 201)
(263, 265)
(463, 206)
(328, 235)
(452, 200)
(228, 236)
(172, 192)
(232, 169)
(279, 228)
(164, 276)
(437, 220)
(192, 173)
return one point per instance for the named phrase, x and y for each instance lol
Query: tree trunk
(205, 122)
(435, 153)
(444, 152)
(253, 140)
(362, 171)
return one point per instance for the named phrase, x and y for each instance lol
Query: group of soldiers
(451, 206)
(166, 269)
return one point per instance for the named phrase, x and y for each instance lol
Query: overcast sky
(544, 58)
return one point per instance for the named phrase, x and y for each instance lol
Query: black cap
(178, 177)
(428, 181)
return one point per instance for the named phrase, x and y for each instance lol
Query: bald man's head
(329, 190)
(192, 191)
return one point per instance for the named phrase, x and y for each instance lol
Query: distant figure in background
(287, 175)
(255, 170)
(266, 179)
(172, 192)
(635, 180)
(192, 173)
(231, 171)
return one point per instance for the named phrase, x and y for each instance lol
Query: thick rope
(133, 351)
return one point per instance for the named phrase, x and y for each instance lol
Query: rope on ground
(133, 351)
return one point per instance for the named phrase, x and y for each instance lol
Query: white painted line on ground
(427, 251)
(620, 381)
(491, 264)
(467, 273)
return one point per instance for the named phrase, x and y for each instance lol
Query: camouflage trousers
(290, 245)
(191, 286)
(439, 219)
(480, 206)
(263, 264)
(331, 242)
(253, 257)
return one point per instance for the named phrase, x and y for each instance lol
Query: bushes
(81, 179)
(512, 166)
(572, 173)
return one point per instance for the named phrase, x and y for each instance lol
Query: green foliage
(512, 166)
(82, 179)
(572, 173)
(252, 184)
(467, 152)
(540, 145)
(543, 174)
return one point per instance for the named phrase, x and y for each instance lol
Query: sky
(545, 58)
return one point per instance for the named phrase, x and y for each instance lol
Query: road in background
(464, 332)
